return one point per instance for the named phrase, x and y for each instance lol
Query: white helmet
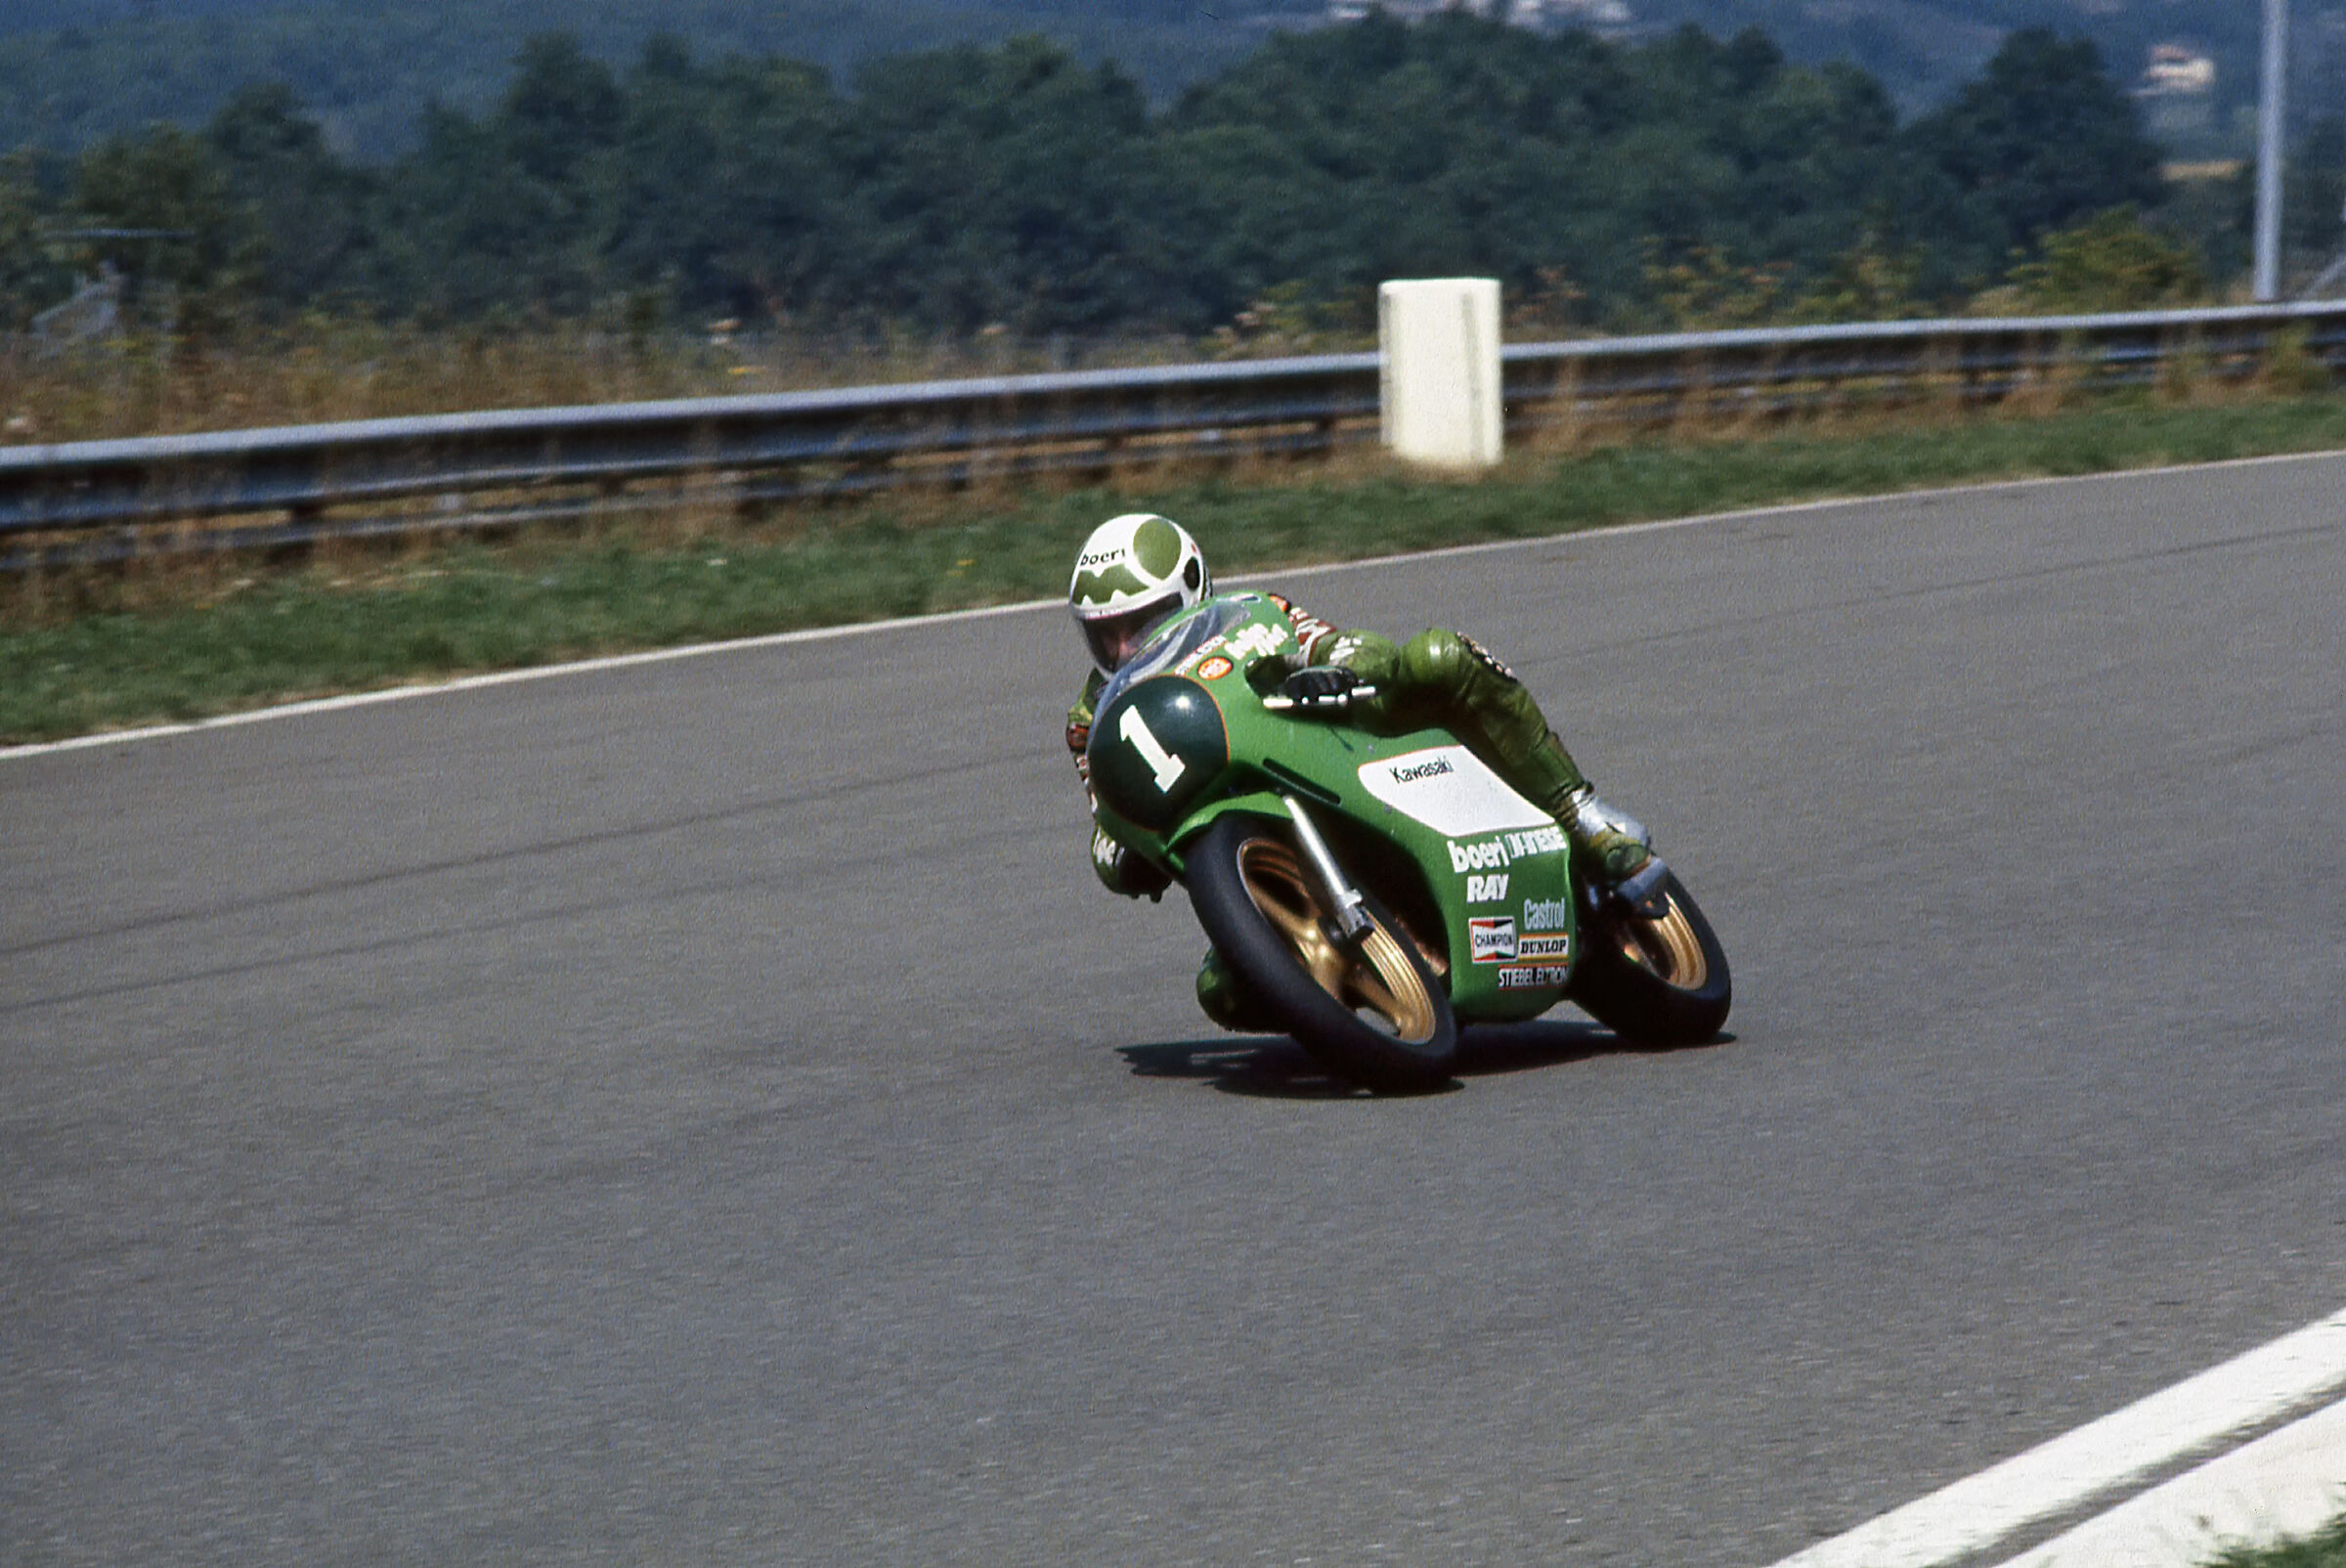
(1134, 571)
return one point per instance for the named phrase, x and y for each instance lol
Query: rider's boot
(1610, 846)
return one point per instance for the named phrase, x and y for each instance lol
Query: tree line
(73, 71)
(1616, 185)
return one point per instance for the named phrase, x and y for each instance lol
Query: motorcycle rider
(1138, 570)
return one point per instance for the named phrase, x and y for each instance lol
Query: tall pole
(2269, 151)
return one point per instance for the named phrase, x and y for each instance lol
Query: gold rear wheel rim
(1373, 978)
(1667, 946)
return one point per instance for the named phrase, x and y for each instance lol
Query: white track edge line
(1981, 1510)
(2284, 1485)
(511, 677)
(694, 650)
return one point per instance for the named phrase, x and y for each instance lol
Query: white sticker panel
(1448, 790)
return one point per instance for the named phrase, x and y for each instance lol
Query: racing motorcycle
(1373, 893)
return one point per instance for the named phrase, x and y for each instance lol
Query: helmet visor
(1116, 636)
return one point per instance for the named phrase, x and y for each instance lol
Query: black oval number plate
(1154, 749)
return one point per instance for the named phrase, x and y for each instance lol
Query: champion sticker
(1492, 938)
(1214, 668)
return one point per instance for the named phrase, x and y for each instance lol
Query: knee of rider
(1215, 993)
(1464, 685)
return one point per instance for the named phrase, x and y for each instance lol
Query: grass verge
(93, 651)
(2324, 1550)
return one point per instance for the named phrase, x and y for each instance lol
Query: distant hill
(71, 70)
(370, 70)
(1923, 49)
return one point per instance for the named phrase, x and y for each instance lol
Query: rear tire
(1369, 1009)
(1655, 983)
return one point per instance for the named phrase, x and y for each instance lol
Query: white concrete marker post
(1437, 338)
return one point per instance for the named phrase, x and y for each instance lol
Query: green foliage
(2214, 212)
(2291, 366)
(508, 212)
(1287, 321)
(29, 275)
(370, 70)
(306, 213)
(2323, 1548)
(2108, 263)
(159, 208)
(1692, 179)
(998, 186)
(1314, 162)
(2315, 194)
(1703, 290)
(725, 191)
(2041, 139)
(73, 71)
(1870, 282)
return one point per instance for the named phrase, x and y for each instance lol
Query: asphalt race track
(704, 1112)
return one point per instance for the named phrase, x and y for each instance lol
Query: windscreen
(1177, 641)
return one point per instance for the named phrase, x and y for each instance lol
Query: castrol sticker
(1547, 914)
(1448, 789)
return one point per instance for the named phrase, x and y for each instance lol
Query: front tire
(1658, 982)
(1368, 1009)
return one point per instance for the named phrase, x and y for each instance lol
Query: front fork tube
(1352, 915)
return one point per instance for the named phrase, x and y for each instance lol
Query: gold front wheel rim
(1371, 978)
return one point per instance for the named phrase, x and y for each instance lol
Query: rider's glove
(1141, 880)
(1326, 690)
(1266, 673)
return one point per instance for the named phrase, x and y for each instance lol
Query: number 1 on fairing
(1164, 765)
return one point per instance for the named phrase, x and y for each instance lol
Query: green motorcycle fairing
(1479, 875)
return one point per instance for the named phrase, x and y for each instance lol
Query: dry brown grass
(321, 369)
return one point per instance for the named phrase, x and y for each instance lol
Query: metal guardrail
(103, 500)
(1974, 360)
